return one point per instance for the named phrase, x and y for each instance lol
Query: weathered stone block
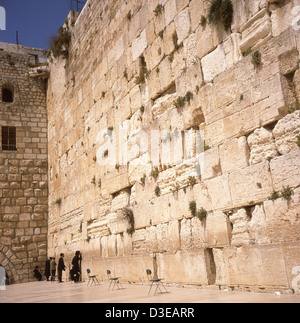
(285, 170)
(250, 185)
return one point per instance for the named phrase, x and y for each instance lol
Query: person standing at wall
(47, 268)
(61, 266)
(76, 267)
(53, 268)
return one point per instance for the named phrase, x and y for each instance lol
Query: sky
(35, 20)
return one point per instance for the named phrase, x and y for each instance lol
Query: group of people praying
(51, 266)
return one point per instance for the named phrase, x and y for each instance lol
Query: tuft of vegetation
(58, 201)
(203, 21)
(287, 192)
(143, 180)
(93, 181)
(181, 100)
(294, 107)
(129, 16)
(105, 154)
(142, 76)
(158, 10)
(175, 40)
(221, 11)
(161, 34)
(59, 46)
(202, 214)
(298, 140)
(274, 196)
(154, 173)
(157, 190)
(193, 208)
(128, 214)
(256, 58)
(192, 181)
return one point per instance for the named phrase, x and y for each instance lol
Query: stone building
(173, 142)
(23, 161)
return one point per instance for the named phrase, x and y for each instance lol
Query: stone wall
(23, 172)
(116, 113)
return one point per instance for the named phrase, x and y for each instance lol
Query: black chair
(115, 281)
(155, 281)
(92, 278)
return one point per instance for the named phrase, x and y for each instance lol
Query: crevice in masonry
(170, 89)
(210, 266)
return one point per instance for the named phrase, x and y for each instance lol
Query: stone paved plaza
(53, 292)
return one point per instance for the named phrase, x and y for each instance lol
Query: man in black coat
(76, 267)
(61, 266)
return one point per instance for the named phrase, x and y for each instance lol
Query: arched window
(7, 93)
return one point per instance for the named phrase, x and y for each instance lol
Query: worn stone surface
(158, 111)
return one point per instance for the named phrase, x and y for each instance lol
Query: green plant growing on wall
(143, 180)
(189, 96)
(221, 11)
(128, 214)
(175, 40)
(158, 10)
(60, 44)
(192, 181)
(142, 76)
(157, 190)
(298, 140)
(193, 207)
(129, 16)
(58, 201)
(287, 192)
(256, 58)
(203, 21)
(154, 173)
(274, 196)
(202, 214)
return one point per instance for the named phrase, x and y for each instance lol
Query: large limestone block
(283, 17)
(120, 201)
(234, 153)
(255, 266)
(240, 232)
(257, 226)
(221, 268)
(286, 131)
(282, 219)
(189, 78)
(250, 185)
(262, 145)
(218, 230)
(256, 31)
(174, 235)
(213, 63)
(139, 45)
(182, 24)
(285, 170)
(211, 163)
(199, 234)
(232, 49)
(170, 11)
(291, 252)
(187, 267)
(219, 192)
(186, 234)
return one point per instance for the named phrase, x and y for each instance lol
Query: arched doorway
(7, 91)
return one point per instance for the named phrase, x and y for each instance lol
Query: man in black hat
(61, 266)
